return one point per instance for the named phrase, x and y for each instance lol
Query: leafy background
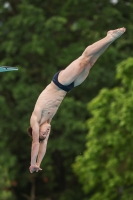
(89, 153)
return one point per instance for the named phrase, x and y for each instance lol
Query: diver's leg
(79, 69)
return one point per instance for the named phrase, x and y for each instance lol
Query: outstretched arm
(42, 150)
(35, 143)
(34, 147)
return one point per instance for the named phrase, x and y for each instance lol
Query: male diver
(51, 97)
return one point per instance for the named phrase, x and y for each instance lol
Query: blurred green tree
(7, 160)
(40, 38)
(106, 168)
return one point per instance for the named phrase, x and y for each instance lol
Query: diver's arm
(35, 143)
(42, 150)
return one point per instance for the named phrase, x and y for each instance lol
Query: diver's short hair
(29, 132)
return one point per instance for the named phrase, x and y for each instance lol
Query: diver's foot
(114, 34)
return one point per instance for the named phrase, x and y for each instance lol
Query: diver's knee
(84, 61)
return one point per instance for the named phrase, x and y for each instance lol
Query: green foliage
(105, 169)
(40, 38)
(7, 160)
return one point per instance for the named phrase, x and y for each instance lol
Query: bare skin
(51, 97)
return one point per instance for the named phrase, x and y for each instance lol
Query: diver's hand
(34, 168)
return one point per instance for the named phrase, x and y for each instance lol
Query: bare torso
(47, 104)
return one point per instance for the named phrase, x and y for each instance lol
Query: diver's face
(44, 131)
